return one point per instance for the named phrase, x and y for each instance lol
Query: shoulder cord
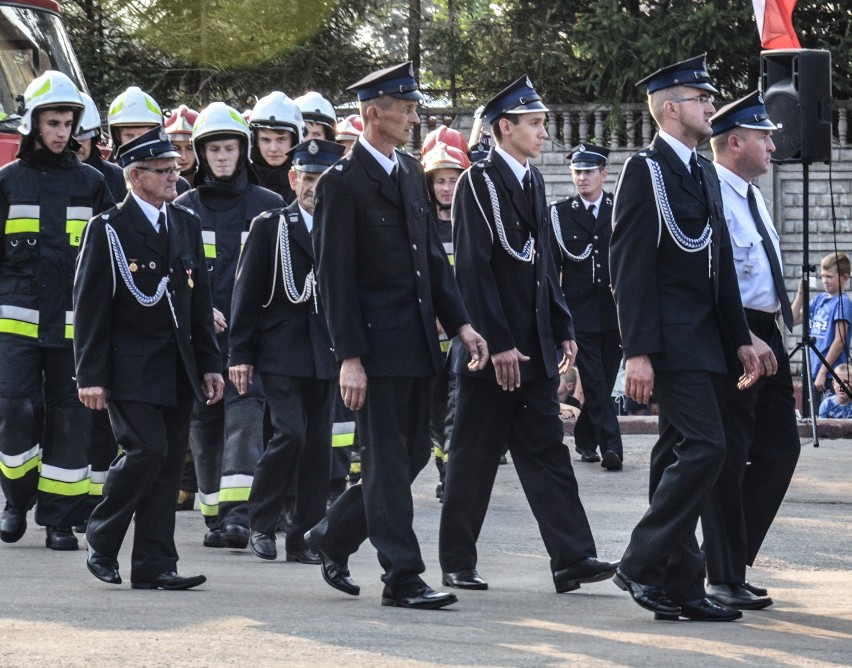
(127, 277)
(557, 232)
(684, 242)
(527, 253)
(287, 267)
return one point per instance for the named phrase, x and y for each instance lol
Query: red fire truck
(32, 40)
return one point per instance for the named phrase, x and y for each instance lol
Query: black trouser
(394, 430)
(763, 448)
(42, 423)
(685, 462)
(598, 358)
(144, 482)
(528, 420)
(301, 413)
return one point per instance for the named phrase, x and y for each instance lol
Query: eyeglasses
(703, 100)
(162, 171)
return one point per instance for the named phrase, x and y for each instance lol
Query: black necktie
(695, 168)
(591, 211)
(162, 231)
(528, 191)
(395, 174)
(775, 266)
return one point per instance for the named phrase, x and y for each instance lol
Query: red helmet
(446, 136)
(441, 156)
(180, 122)
(350, 128)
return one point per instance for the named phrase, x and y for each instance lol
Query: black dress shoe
(703, 610)
(237, 536)
(61, 539)
(589, 569)
(305, 556)
(335, 574)
(611, 461)
(13, 524)
(424, 598)
(754, 589)
(736, 596)
(587, 456)
(263, 545)
(650, 597)
(215, 538)
(171, 581)
(466, 579)
(103, 568)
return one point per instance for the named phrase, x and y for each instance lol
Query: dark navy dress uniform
(384, 278)
(683, 310)
(515, 302)
(583, 257)
(289, 345)
(151, 360)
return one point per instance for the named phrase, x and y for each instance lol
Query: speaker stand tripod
(807, 342)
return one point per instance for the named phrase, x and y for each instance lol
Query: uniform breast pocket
(744, 244)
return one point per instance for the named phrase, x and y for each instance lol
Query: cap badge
(313, 149)
(760, 98)
(581, 148)
(529, 83)
(163, 136)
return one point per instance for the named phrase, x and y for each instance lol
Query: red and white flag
(775, 24)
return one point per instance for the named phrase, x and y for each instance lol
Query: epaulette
(648, 152)
(482, 164)
(271, 213)
(186, 209)
(343, 164)
(559, 201)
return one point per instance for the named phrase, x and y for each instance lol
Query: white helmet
(134, 107)
(317, 109)
(276, 111)
(90, 122)
(51, 89)
(219, 119)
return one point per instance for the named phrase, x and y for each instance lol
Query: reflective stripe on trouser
(244, 445)
(206, 440)
(342, 440)
(33, 380)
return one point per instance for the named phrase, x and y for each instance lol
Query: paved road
(256, 613)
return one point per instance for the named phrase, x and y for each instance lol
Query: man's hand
(353, 383)
(475, 345)
(751, 366)
(219, 322)
(241, 376)
(767, 364)
(507, 368)
(214, 386)
(93, 397)
(569, 356)
(639, 378)
(821, 378)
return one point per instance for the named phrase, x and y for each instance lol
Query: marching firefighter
(226, 439)
(88, 136)
(276, 126)
(131, 114)
(46, 199)
(279, 332)
(319, 116)
(179, 129)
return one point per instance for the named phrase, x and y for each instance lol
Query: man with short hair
(145, 348)
(582, 226)
(761, 435)
(683, 330)
(46, 199)
(383, 278)
(504, 267)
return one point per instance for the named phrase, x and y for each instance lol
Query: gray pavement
(250, 612)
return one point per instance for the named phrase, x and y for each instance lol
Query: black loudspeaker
(796, 85)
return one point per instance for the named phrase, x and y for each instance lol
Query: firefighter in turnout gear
(46, 198)
(226, 439)
(276, 126)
